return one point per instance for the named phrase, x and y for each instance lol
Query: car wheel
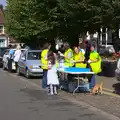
(18, 71)
(27, 75)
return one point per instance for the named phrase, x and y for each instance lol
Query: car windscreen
(34, 56)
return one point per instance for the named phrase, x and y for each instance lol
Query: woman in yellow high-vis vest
(44, 62)
(79, 58)
(95, 60)
(95, 64)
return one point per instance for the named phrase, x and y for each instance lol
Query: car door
(22, 62)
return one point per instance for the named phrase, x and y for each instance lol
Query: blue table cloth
(74, 69)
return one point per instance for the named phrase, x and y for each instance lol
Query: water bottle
(62, 64)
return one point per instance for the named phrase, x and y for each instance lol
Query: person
(17, 56)
(62, 49)
(81, 46)
(10, 59)
(95, 64)
(68, 55)
(79, 58)
(52, 77)
(44, 62)
(25, 46)
(87, 50)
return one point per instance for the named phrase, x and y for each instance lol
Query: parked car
(29, 63)
(6, 57)
(2, 52)
(117, 71)
(106, 50)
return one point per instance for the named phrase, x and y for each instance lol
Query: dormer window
(1, 29)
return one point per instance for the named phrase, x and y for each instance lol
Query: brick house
(3, 35)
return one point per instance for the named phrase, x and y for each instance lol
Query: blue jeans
(44, 79)
(92, 82)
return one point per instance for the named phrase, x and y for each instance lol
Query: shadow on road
(37, 94)
(116, 88)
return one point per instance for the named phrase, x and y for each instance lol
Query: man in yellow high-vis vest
(95, 64)
(68, 55)
(44, 62)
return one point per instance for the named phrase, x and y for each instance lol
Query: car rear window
(34, 56)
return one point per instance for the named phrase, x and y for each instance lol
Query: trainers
(51, 94)
(55, 93)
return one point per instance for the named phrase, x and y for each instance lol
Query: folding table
(76, 71)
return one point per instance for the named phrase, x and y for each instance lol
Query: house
(3, 35)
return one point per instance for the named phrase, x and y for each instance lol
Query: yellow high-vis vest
(44, 60)
(80, 56)
(96, 66)
(67, 61)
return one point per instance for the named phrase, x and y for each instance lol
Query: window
(23, 55)
(34, 56)
(1, 29)
(2, 43)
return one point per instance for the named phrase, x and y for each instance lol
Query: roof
(34, 50)
(1, 17)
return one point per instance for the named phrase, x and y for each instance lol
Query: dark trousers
(44, 79)
(92, 80)
(10, 64)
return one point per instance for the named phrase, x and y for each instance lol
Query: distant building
(3, 36)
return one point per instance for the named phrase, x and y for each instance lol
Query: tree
(38, 21)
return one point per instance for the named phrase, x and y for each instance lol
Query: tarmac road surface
(18, 102)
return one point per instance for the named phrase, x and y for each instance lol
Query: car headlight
(34, 67)
(31, 67)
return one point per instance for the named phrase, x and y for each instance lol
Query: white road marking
(108, 89)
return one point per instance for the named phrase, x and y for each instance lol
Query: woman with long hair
(52, 77)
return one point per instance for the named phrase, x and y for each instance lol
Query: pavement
(110, 84)
(24, 99)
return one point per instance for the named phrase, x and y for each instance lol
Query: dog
(97, 89)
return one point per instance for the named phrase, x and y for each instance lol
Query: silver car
(30, 64)
(6, 57)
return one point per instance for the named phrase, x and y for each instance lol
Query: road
(20, 99)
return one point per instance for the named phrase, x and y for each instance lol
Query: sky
(3, 2)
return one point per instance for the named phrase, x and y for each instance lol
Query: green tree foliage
(39, 20)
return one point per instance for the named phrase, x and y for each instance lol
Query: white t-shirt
(17, 55)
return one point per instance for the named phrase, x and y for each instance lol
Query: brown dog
(97, 89)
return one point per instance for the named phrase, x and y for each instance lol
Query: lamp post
(119, 31)
(106, 37)
(101, 36)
